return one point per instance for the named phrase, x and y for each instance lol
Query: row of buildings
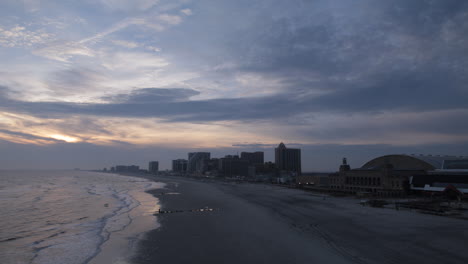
(389, 175)
(248, 164)
(124, 168)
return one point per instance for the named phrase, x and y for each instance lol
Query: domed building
(389, 175)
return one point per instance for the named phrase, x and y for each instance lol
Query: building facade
(253, 157)
(153, 167)
(232, 165)
(196, 161)
(288, 159)
(179, 165)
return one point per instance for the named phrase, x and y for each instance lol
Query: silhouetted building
(120, 168)
(389, 175)
(255, 160)
(153, 167)
(212, 167)
(269, 167)
(196, 161)
(179, 165)
(288, 159)
(133, 168)
(123, 168)
(440, 181)
(232, 165)
(253, 157)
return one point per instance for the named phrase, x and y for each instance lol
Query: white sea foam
(72, 216)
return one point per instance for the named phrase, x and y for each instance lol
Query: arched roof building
(390, 174)
(415, 162)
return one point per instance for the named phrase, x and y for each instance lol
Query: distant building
(232, 165)
(124, 168)
(133, 168)
(211, 166)
(179, 165)
(196, 161)
(440, 181)
(153, 167)
(120, 168)
(390, 175)
(255, 160)
(253, 157)
(288, 159)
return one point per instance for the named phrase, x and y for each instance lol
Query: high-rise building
(232, 165)
(253, 157)
(153, 167)
(288, 159)
(179, 165)
(196, 161)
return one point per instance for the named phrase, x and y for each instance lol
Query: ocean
(73, 216)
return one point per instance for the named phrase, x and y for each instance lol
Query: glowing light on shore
(64, 138)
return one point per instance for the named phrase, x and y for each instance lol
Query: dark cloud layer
(29, 136)
(174, 106)
(367, 55)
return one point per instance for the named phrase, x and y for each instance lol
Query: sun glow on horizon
(65, 138)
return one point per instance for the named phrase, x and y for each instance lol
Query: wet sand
(256, 223)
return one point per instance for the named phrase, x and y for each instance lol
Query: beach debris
(205, 209)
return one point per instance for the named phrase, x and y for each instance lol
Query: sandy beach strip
(258, 223)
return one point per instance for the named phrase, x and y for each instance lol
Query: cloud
(19, 36)
(128, 5)
(64, 51)
(126, 44)
(186, 11)
(362, 70)
(26, 138)
(263, 145)
(170, 19)
(153, 48)
(76, 81)
(132, 61)
(152, 95)
(114, 28)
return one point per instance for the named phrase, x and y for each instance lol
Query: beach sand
(258, 223)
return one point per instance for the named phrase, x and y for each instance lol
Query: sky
(95, 83)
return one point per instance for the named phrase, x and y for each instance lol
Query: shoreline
(119, 244)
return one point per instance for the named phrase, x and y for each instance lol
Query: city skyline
(94, 83)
